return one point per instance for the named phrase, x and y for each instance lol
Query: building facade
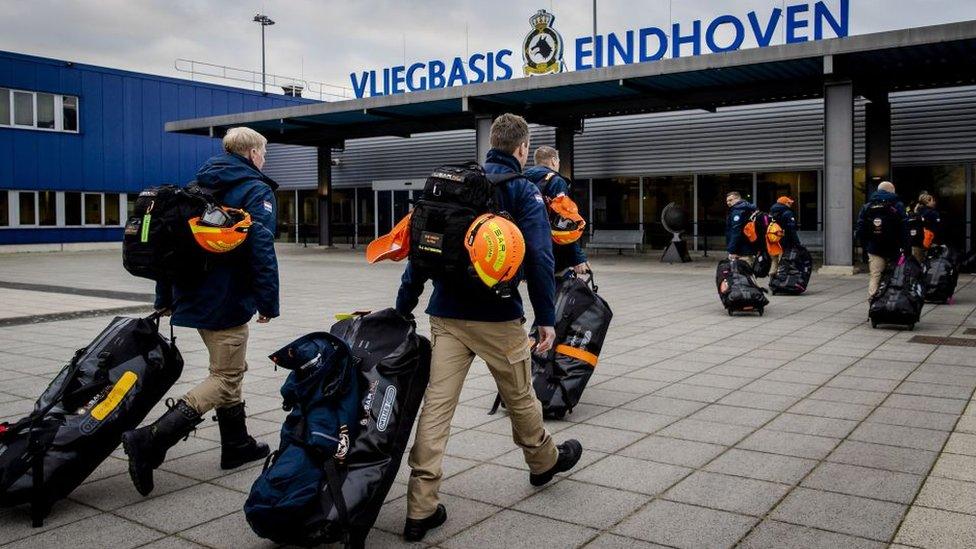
(78, 142)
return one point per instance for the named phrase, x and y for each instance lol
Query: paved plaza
(802, 428)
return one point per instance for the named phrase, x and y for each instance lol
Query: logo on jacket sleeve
(542, 49)
(268, 206)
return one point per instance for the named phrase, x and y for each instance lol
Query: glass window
(948, 185)
(45, 111)
(112, 209)
(23, 108)
(47, 203)
(72, 209)
(659, 191)
(69, 113)
(4, 209)
(28, 211)
(130, 204)
(364, 205)
(286, 216)
(4, 106)
(712, 209)
(800, 186)
(616, 203)
(384, 213)
(308, 216)
(93, 209)
(343, 210)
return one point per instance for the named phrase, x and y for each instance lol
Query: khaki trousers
(222, 388)
(774, 264)
(876, 266)
(504, 346)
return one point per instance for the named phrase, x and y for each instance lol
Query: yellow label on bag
(115, 396)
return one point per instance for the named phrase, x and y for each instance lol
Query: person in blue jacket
(887, 241)
(736, 243)
(467, 321)
(219, 306)
(782, 214)
(931, 221)
(545, 174)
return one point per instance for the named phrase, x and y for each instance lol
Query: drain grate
(950, 341)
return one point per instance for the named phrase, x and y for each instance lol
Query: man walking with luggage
(736, 243)
(545, 175)
(235, 287)
(782, 214)
(882, 228)
(465, 324)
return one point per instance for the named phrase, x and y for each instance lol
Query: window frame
(84, 211)
(58, 111)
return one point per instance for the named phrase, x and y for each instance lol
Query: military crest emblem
(542, 49)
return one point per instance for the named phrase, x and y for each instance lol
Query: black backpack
(157, 242)
(916, 230)
(882, 226)
(454, 196)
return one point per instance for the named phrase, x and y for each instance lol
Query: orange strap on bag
(928, 239)
(577, 353)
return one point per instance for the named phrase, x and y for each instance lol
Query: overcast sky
(328, 39)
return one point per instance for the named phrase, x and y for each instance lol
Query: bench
(619, 240)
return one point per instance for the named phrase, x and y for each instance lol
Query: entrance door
(392, 201)
(947, 184)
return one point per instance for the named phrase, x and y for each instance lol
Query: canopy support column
(839, 177)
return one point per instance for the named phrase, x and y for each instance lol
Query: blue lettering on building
(798, 22)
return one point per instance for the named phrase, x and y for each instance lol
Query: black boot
(416, 529)
(569, 454)
(147, 446)
(236, 446)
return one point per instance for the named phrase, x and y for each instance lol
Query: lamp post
(264, 21)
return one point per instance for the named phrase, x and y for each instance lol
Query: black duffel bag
(900, 296)
(107, 389)
(792, 277)
(738, 289)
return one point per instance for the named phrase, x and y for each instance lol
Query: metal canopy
(927, 57)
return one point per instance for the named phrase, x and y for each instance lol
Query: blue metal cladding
(121, 146)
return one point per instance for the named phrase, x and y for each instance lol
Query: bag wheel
(874, 324)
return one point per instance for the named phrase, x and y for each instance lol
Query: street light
(264, 21)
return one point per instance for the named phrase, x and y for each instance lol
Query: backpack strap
(334, 485)
(497, 180)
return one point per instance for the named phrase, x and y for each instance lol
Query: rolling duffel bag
(940, 275)
(900, 296)
(341, 501)
(582, 321)
(107, 389)
(792, 277)
(738, 289)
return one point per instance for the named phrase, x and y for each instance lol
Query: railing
(310, 88)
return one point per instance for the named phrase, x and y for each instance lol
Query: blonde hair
(925, 198)
(545, 153)
(508, 132)
(242, 140)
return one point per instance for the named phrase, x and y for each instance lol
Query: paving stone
(811, 425)
(516, 529)
(950, 495)
(17, 523)
(663, 405)
(635, 475)
(827, 408)
(789, 444)
(771, 534)
(693, 392)
(853, 396)
(912, 418)
(632, 420)
(667, 523)
(748, 399)
(98, 531)
(601, 439)
(740, 495)
(956, 466)
(934, 389)
(864, 481)
(845, 514)
(478, 446)
(961, 443)
(896, 435)
(583, 504)
(935, 528)
(706, 431)
(613, 541)
(674, 451)
(768, 386)
(172, 542)
(113, 492)
(632, 385)
(762, 466)
(735, 415)
(185, 508)
(905, 460)
(927, 404)
(229, 531)
(717, 380)
(490, 483)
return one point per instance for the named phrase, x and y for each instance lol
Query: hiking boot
(147, 446)
(569, 454)
(236, 446)
(416, 529)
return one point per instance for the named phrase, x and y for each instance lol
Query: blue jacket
(466, 297)
(931, 220)
(736, 242)
(884, 249)
(783, 215)
(566, 255)
(246, 281)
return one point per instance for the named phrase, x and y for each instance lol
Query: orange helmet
(565, 220)
(496, 248)
(394, 245)
(220, 229)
